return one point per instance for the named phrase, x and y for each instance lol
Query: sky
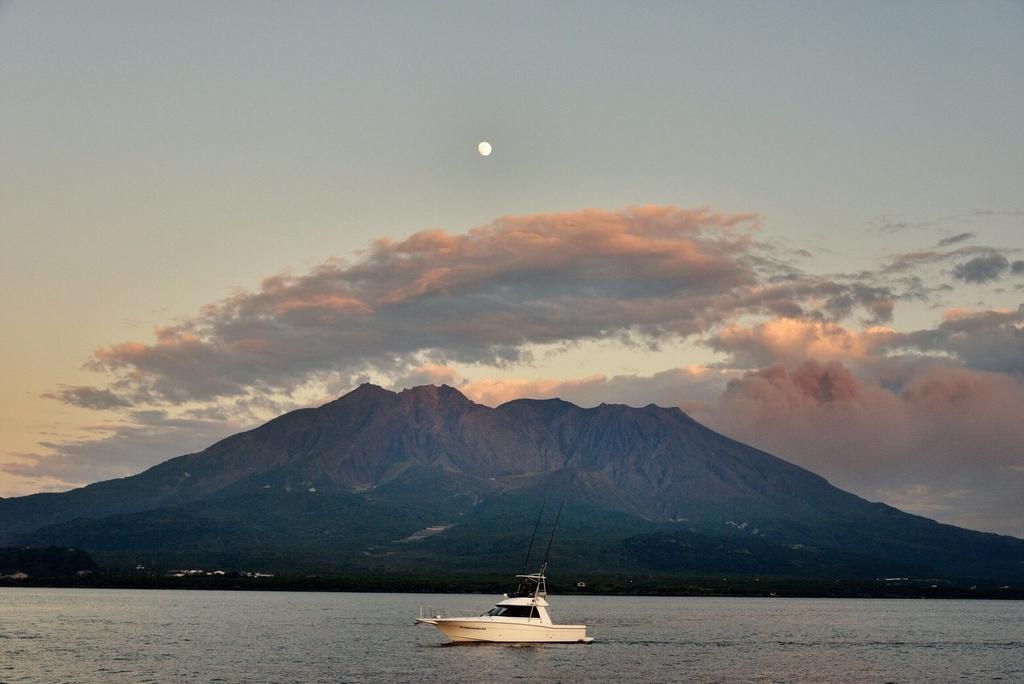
(800, 222)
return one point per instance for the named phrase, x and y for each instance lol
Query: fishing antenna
(559, 515)
(535, 528)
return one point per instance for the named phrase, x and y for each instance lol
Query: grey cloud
(983, 340)
(1003, 213)
(89, 397)
(954, 239)
(914, 260)
(973, 216)
(480, 297)
(111, 451)
(821, 298)
(981, 269)
(895, 226)
(1017, 267)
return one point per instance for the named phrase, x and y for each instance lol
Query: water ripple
(61, 635)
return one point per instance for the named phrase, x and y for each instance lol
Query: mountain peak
(368, 388)
(366, 394)
(435, 396)
(433, 389)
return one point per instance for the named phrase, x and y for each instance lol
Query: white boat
(520, 617)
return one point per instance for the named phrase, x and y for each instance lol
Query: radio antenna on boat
(559, 515)
(535, 528)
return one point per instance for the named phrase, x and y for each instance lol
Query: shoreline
(688, 586)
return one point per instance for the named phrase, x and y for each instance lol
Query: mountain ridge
(394, 461)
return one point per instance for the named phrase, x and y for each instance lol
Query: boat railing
(534, 586)
(432, 613)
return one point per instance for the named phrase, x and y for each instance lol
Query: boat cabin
(523, 608)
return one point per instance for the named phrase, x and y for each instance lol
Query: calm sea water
(83, 635)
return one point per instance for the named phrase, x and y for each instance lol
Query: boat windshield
(512, 611)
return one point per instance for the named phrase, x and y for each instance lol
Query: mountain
(427, 479)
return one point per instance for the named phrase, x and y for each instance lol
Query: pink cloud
(493, 392)
(790, 340)
(947, 429)
(484, 296)
(427, 374)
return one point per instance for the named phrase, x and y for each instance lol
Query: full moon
(484, 148)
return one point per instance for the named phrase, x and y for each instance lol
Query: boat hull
(476, 630)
